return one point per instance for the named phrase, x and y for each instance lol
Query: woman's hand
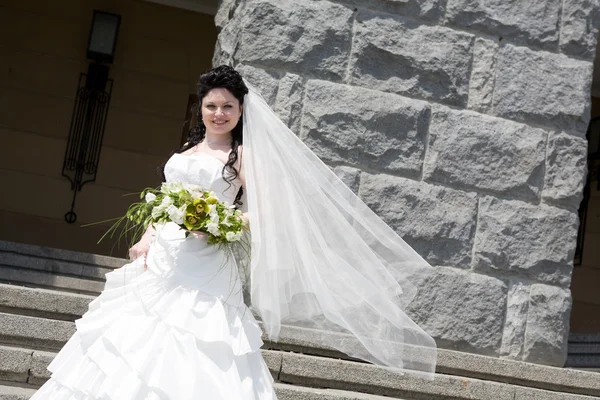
(140, 249)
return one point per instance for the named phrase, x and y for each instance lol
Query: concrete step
(48, 253)
(43, 303)
(584, 351)
(8, 392)
(287, 367)
(54, 268)
(49, 334)
(284, 392)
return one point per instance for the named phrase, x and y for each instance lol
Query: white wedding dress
(178, 331)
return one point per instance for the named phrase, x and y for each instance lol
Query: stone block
(37, 332)
(289, 101)
(428, 10)
(302, 37)
(475, 151)
(350, 176)
(438, 222)
(521, 239)
(395, 55)
(267, 82)
(54, 266)
(481, 85)
(43, 302)
(87, 259)
(356, 126)
(531, 22)
(225, 12)
(361, 377)
(39, 364)
(461, 310)
(579, 27)
(226, 45)
(542, 87)
(546, 337)
(566, 166)
(14, 364)
(515, 320)
(282, 91)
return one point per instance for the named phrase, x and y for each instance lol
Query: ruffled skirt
(178, 331)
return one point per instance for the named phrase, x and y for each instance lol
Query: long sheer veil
(320, 258)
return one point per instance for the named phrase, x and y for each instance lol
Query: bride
(173, 324)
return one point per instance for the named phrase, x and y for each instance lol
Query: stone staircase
(43, 291)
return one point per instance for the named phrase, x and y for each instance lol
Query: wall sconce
(90, 110)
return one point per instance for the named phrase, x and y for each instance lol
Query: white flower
(230, 236)
(166, 202)
(176, 214)
(157, 212)
(213, 229)
(150, 197)
(195, 191)
(226, 222)
(213, 214)
(171, 187)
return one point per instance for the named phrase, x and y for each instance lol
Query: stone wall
(462, 124)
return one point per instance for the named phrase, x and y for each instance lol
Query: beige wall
(585, 286)
(160, 53)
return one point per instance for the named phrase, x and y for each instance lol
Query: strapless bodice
(204, 170)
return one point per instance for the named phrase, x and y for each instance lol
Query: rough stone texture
(396, 55)
(225, 12)
(438, 222)
(43, 301)
(427, 10)
(305, 37)
(579, 27)
(319, 372)
(481, 85)
(458, 363)
(515, 320)
(38, 332)
(547, 332)
(289, 101)
(47, 279)
(476, 151)
(39, 363)
(92, 260)
(533, 21)
(344, 124)
(543, 87)
(350, 176)
(229, 36)
(461, 310)
(516, 238)
(50, 265)
(266, 81)
(14, 364)
(566, 165)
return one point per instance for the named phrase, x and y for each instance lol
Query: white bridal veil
(320, 258)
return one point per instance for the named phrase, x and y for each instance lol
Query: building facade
(463, 125)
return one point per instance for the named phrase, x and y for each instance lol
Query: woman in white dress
(173, 324)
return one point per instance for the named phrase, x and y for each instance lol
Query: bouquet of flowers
(189, 206)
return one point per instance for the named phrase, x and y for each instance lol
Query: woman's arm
(143, 245)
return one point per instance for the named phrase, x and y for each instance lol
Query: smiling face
(221, 111)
